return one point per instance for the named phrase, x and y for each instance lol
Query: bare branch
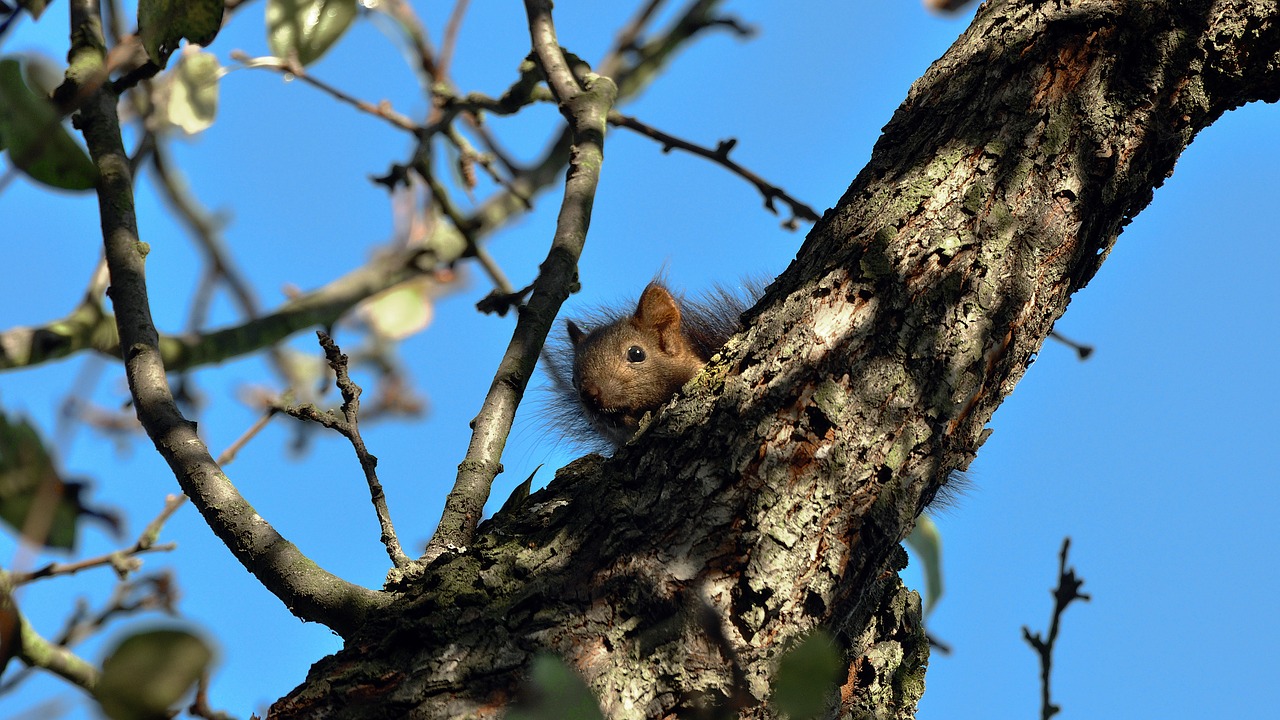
(229, 454)
(293, 68)
(308, 591)
(450, 41)
(124, 561)
(1068, 590)
(720, 155)
(584, 101)
(348, 425)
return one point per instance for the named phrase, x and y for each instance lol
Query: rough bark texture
(777, 492)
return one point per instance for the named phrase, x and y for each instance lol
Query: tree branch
(291, 67)
(1068, 591)
(785, 477)
(40, 653)
(90, 327)
(349, 427)
(720, 156)
(124, 560)
(585, 103)
(308, 591)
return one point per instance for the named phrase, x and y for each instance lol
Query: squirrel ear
(576, 335)
(657, 309)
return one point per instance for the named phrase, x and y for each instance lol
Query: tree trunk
(772, 499)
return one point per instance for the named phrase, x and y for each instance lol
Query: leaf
(150, 671)
(190, 100)
(29, 483)
(401, 311)
(806, 676)
(162, 23)
(307, 28)
(35, 7)
(926, 542)
(555, 693)
(38, 144)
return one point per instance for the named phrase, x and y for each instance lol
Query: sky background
(1157, 455)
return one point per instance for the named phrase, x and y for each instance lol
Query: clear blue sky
(1157, 456)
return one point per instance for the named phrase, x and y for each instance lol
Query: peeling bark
(777, 491)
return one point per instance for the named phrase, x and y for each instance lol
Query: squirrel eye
(635, 354)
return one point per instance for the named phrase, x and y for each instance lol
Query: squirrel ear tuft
(657, 309)
(576, 336)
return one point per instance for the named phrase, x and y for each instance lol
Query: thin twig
(348, 425)
(292, 68)
(462, 224)
(468, 154)
(1082, 351)
(124, 561)
(720, 155)
(450, 41)
(1068, 590)
(206, 231)
(402, 12)
(200, 704)
(230, 453)
(626, 39)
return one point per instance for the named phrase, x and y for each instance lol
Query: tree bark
(773, 497)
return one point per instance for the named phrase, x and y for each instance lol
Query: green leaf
(162, 23)
(807, 674)
(37, 142)
(555, 693)
(401, 311)
(33, 498)
(307, 28)
(926, 542)
(148, 672)
(189, 100)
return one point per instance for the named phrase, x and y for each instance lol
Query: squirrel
(629, 363)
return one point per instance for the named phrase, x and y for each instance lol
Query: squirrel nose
(591, 391)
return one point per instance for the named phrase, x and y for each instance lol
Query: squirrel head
(633, 366)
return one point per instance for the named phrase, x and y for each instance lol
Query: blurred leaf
(190, 97)
(35, 7)
(29, 482)
(42, 74)
(555, 693)
(150, 671)
(307, 28)
(38, 143)
(162, 23)
(806, 676)
(926, 542)
(10, 626)
(402, 310)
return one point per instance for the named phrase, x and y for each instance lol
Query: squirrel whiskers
(620, 364)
